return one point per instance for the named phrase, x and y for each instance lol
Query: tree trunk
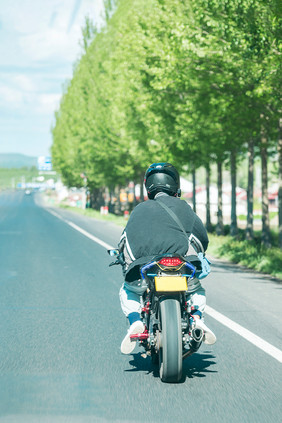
(250, 192)
(142, 189)
(233, 225)
(134, 193)
(117, 205)
(280, 183)
(194, 188)
(265, 235)
(219, 226)
(111, 202)
(208, 204)
(97, 199)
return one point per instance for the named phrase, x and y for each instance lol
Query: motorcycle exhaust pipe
(197, 337)
(194, 344)
(197, 334)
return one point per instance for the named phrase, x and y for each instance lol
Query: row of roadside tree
(193, 82)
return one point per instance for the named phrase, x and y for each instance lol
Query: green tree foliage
(190, 82)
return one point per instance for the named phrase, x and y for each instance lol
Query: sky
(39, 44)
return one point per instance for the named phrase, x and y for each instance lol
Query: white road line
(240, 330)
(55, 214)
(92, 237)
(245, 333)
(82, 231)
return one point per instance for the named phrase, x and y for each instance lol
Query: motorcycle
(170, 334)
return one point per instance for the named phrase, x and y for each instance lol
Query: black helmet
(162, 177)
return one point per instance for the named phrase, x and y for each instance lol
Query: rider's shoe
(209, 337)
(128, 345)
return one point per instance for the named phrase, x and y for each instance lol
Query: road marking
(55, 214)
(245, 333)
(82, 231)
(92, 237)
(240, 330)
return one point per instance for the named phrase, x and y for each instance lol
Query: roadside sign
(44, 163)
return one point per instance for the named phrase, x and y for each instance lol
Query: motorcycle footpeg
(140, 336)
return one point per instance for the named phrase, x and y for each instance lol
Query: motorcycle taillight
(170, 261)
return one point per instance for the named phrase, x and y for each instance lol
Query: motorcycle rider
(150, 231)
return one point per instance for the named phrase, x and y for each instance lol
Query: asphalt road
(61, 328)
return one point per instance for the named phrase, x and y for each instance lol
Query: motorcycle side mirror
(113, 253)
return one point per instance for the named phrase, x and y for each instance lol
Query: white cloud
(23, 82)
(10, 97)
(48, 103)
(39, 45)
(26, 99)
(49, 30)
(51, 45)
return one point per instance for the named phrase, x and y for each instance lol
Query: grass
(243, 217)
(10, 178)
(247, 253)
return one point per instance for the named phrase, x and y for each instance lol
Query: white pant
(131, 302)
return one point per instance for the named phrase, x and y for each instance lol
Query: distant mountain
(15, 160)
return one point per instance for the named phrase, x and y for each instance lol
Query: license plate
(170, 283)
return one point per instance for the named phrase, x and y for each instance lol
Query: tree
(165, 80)
(250, 192)
(280, 182)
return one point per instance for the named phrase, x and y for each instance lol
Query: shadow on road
(196, 365)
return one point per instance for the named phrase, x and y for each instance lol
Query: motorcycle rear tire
(170, 354)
